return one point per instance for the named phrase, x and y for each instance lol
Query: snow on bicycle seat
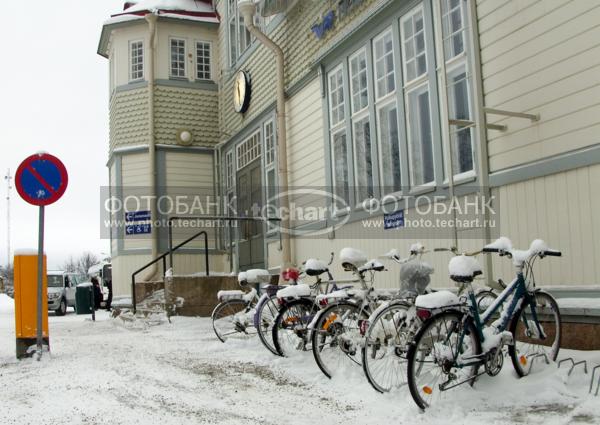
(374, 265)
(236, 294)
(314, 267)
(254, 276)
(463, 269)
(352, 258)
(294, 291)
(438, 299)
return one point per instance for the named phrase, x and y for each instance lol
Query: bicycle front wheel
(266, 313)
(233, 319)
(336, 338)
(290, 331)
(537, 332)
(385, 348)
(442, 356)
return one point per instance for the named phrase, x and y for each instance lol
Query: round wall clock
(241, 92)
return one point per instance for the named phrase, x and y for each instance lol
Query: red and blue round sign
(41, 179)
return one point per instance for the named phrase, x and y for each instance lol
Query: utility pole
(8, 179)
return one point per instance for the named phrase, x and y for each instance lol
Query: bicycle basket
(415, 276)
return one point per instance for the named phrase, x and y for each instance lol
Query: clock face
(241, 92)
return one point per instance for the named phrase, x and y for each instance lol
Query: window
(413, 42)
(420, 138)
(203, 60)
(177, 58)
(358, 81)
(229, 170)
(136, 60)
(248, 150)
(269, 143)
(340, 166)
(385, 77)
(239, 36)
(389, 148)
(453, 28)
(362, 157)
(336, 96)
(270, 175)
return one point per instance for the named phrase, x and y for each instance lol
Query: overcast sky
(54, 97)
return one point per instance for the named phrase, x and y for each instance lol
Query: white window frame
(185, 52)
(447, 39)
(356, 120)
(249, 149)
(379, 107)
(196, 57)
(270, 148)
(418, 78)
(133, 78)
(342, 105)
(358, 108)
(340, 130)
(376, 60)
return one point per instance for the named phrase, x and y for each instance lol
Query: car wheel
(62, 308)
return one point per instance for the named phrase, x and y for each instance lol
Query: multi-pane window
(203, 60)
(239, 36)
(232, 15)
(358, 81)
(453, 28)
(383, 52)
(136, 60)
(270, 174)
(269, 143)
(248, 150)
(229, 172)
(336, 96)
(413, 43)
(177, 57)
(420, 137)
(389, 148)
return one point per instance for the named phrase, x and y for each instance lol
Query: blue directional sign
(393, 220)
(41, 179)
(132, 216)
(138, 229)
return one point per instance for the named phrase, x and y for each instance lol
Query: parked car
(61, 291)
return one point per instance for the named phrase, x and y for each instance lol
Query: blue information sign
(393, 220)
(138, 229)
(132, 216)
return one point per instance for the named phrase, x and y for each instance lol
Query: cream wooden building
(380, 94)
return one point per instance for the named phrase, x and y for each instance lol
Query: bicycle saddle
(464, 269)
(352, 258)
(314, 267)
(254, 276)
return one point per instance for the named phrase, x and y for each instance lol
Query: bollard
(26, 299)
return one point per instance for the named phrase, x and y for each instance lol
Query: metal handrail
(163, 257)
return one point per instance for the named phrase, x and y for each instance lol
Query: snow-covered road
(111, 372)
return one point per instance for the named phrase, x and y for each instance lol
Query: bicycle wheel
(290, 331)
(266, 313)
(336, 338)
(529, 343)
(385, 348)
(432, 366)
(233, 319)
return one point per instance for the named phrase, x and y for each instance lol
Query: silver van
(61, 291)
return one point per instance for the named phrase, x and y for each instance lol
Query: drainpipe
(248, 9)
(480, 125)
(151, 18)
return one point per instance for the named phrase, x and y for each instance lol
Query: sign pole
(40, 285)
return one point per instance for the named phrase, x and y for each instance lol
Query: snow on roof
(193, 10)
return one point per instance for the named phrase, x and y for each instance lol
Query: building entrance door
(249, 194)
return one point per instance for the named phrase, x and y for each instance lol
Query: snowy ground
(112, 372)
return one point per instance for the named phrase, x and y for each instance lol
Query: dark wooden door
(249, 193)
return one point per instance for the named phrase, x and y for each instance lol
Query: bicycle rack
(592, 381)
(534, 357)
(573, 364)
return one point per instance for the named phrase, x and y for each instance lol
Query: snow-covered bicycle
(456, 341)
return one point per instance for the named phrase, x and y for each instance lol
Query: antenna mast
(8, 179)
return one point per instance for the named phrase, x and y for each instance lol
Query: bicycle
(455, 340)
(391, 327)
(238, 312)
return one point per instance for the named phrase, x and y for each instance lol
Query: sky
(54, 98)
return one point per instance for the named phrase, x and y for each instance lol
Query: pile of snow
(502, 243)
(7, 304)
(415, 276)
(463, 266)
(437, 300)
(254, 276)
(353, 256)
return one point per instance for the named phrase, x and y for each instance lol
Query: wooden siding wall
(135, 181)
(541, 57)
(128, 119)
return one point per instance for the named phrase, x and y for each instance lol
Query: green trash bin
(83, 298)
